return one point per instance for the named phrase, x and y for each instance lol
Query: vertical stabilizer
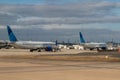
(11, 35)
(81, 38)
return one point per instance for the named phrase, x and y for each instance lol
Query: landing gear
(49, 49)
(39, 50)
(31, 50)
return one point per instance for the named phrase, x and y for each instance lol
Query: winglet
(11, 35)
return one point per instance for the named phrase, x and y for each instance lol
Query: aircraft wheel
(31, 50)
(39, 50)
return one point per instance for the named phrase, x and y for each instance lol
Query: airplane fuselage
(32, 44)
(93, 45)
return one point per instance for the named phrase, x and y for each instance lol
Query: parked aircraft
(3, 44)
(92, 45)
(32, 45)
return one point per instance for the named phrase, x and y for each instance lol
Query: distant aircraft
(92, 45)
(32, 45)
(3, 44)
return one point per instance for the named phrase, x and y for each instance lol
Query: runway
(41, 69)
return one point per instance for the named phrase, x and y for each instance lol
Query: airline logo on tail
(82, 40)
(11, 35)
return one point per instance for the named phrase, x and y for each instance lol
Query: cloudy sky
(99, 20)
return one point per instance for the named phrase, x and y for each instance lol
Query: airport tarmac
(18, 68)
(27, 52)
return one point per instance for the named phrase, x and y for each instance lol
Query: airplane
(92, 45)
(32, 45)
(3, 44)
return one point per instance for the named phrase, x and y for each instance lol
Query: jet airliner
(32, 45)
(92, 45)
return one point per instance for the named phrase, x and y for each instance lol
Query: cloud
(63, 14)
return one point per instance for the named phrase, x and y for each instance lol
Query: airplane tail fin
(11, 35)
(82, 40)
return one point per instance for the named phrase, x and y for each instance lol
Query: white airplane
(92, 45)
(3, 44)
(32, 45)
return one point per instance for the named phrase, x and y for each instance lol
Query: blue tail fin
(81, 38)
(11, 35)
